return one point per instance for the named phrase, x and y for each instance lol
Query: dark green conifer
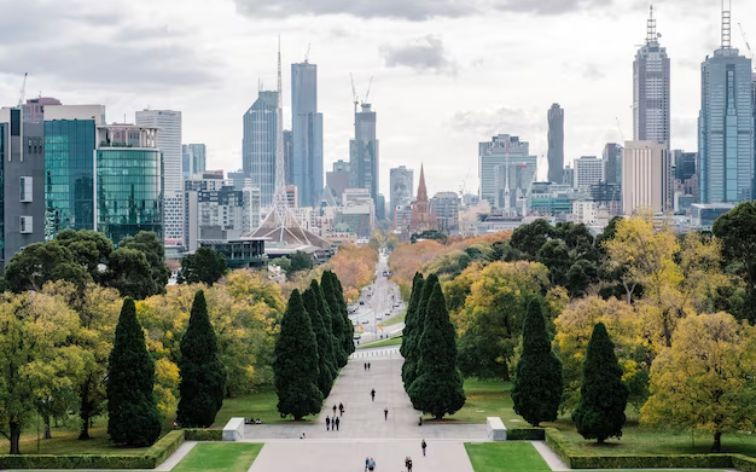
(337, 321)
(327, 371)
(537, 387)
(410, 368)
(410, 325)
(133, 419)
(603, 397)
(330, 327)
(203, 376)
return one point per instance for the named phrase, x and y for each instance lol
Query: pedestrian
(367, 459)
(328, 423)
(385, 414)
(408, 464)
(341, 409)
(423, 445)
(337, 421)
(372, 394)
(368, 365)
(371, 464)
(334, 409)
(364, 367)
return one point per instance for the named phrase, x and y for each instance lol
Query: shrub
(525, 434)
(197, 434)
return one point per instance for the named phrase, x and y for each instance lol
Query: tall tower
(422, 219)
(651, 89)
(363, 151)
(725, 123)
(306, 133)
(555, 117)
(259, 143)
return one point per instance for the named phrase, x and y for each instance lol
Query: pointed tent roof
(422, 192)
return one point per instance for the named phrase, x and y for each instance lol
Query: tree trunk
(717, 446)
(15, 437)
(85, 411)
(48, 431)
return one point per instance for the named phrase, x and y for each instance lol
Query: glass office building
(69, 154)
(129, 184)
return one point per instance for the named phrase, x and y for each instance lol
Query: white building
(589, 170)
(585, 211)
(168, 123)
(646, 177)
(506, 170)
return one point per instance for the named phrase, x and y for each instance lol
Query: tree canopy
(204, 266)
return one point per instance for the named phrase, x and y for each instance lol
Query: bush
(197, 434)
(525, 434)
(153, 457)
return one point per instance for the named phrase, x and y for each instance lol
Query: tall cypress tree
(410, 326)
(410, 368)
(348, 334)
(603, 397)
(295, 365)
(538, 380)
(203, 376)
(337, 321)
(327, 370)
(325, 310)
(438, 387)
(133, 418)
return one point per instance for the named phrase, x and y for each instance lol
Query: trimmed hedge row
(154, 456)
(576, 460)
(196, 434)
(525, 434)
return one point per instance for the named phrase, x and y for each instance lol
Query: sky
(447, 74)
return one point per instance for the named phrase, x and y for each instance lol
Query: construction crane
(307, 53)
(619, 129)
(747, 45)
(367, 93)
(22, 93)
(355, 100)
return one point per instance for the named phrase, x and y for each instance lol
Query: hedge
(525, 434)
(153, 457)
(575, 460)
(197, 434)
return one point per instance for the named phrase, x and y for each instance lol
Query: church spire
(422, 192)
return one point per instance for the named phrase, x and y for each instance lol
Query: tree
(91, 249)
(438, 388)
(348, 337)
(133, 418)
(38, 363)
(295, 367)
(204, 266)
(737, 229)
(411, 362)
(38, 263)
(336, 353)
(555, 255)
(203, 377)
(410, 318)
(603, 397)
(126, 273)
(355, 268)
(301, 261)
(337, 321)
(537, 389)
(704, 381)
(580, 276)
(531, 237)
(152, 247)
(326, 365)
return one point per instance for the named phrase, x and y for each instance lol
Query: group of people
(366, 366)
(370, 462)
(333, 423)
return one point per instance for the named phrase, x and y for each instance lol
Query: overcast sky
(447, 73)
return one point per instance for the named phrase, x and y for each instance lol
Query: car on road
(362, 302)
(379, 317)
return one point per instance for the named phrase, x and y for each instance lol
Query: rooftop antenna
(726, 24)
(651, 36)
(22, 92)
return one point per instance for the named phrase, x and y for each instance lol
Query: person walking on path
(423, 445)
(334, 409)
(367, 459)
(372, 394)
(408, 463)
(364, 367)
(385, 414)
(371, 464)
(341, 409)
(328, 423)
(368, 365)
(337, 421)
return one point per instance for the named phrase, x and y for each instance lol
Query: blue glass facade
(129, 185)
(69, 168)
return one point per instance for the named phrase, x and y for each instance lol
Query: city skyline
(412, 56)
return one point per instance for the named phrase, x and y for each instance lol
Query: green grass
(65, 441)
(396, 319)
(513, 456)
(395, 341)
(219, 456)
(261, 404)
(488, 398)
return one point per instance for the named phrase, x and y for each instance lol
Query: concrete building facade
(589, 170)
(651, 88)
(506, 169)
(646, 177)
(401, 187)
(555, 153)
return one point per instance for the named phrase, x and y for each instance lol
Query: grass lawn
(488, 398)
(511, 456)
(396, 319)
(219, 456)
(261, 404)
(65, 441)
(395, 341)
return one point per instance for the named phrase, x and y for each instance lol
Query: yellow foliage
(355, 268)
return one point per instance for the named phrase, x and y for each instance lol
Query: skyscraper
(193, 159)
(363, 151)
(338, 178)
(506, 170)
(646, 179)
(259, 144)
(168, 124)
(651, 95)
(725, 124)
(555, 117)
(401, 185)
(306, 133)
(612, 157)
(588, 171)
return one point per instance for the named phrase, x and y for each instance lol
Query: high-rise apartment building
(128, 181)
(506, 170)
(168, 124)
(726, 124)
(612, 157)
(444, 206)
(589, 170)
(401, 184)
(363, 151)
(306, 133)
(646, 177)
(555, 117)
(259, 144)
(193, 159)
(651, 88)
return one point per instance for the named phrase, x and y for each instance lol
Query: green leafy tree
(128, 272)
(326, 367)
(438, 389)
(531, 237)
(600, 414)
(580, 276)
(301, 261)
(537, 387)
(204, 266)
(295, 367)
(133, 418)
(736, 229)
(203, 377)
(38, 263)
(411, 361)
(151, 246)
(555, 255)
(91, 249)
